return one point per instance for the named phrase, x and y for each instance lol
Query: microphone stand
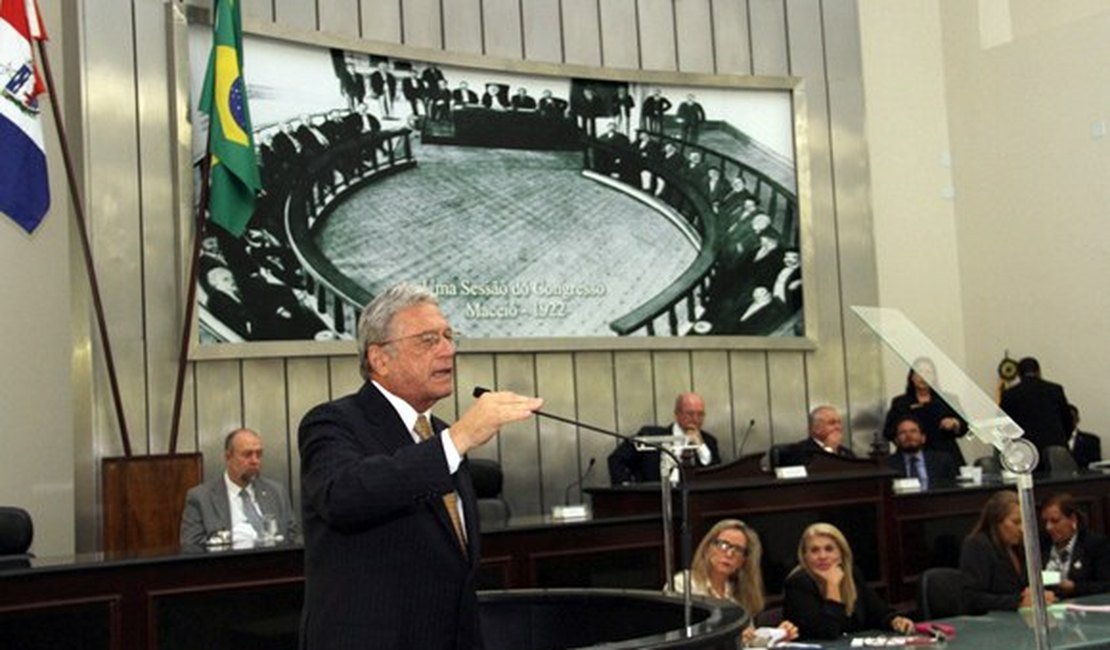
(687, 603)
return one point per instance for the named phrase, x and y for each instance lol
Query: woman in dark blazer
(827, 596)
(1081, 557)
(940, 423)
(993, 561)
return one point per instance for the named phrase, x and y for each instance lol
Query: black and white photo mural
(537, 205)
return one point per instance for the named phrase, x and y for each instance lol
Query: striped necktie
(451, 499)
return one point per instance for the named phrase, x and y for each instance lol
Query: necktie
(249, 509)
(1064, 563)
(451, 499)
(917, 471)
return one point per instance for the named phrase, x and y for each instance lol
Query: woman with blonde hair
(826, 595)
(726, 565)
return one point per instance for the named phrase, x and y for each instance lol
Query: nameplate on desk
(907, 485)
(566, 513)
(791, 471)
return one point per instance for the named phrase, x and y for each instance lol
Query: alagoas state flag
(24, 188)
(234, 180)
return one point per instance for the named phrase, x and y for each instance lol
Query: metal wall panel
(422, 23)
(731, 37)
(620, 43)
(786, 379)
(694, 35)
(711, 380)
(558, 443)
(381, 20)
(472, 370)
(519, 444)
(502, 27)
(594, 405)
(339, 16)
(265, 410)
(672, 374)
(751, 401)
(307, 385)
(657, 38)
(635, 390)
(581, 31)
(219, 409)
(462, 26)
(542, 22)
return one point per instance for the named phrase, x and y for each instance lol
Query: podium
(549, 619)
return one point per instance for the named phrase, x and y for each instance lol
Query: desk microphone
(581, 479)
(683, 487)
(744, 438)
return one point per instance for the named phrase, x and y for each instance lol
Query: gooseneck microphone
(581, 479)
(744, 438)
(683, 488)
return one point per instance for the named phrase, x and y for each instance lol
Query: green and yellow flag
(234, 180)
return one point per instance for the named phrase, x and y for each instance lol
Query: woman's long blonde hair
(747, 581)
(848, 592)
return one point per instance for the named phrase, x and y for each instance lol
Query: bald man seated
(629, 465)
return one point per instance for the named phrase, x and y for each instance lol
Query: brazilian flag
(234, 181)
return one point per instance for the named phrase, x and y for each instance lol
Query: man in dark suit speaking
(629, 465)
(390, 517)
(912, 460)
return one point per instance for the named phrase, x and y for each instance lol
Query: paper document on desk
(1072, 607)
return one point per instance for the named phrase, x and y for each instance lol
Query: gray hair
(376, 320)
(817, 411)
(229, 439)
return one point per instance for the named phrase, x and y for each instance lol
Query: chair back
(941, 593)
(16, 531)
(1060, 460)
(488, 480)
(989, 464)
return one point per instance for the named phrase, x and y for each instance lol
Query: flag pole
(90, 269)
(190, 300)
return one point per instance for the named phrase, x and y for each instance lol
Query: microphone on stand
(581, 479)
(744, 439)
(683, 487)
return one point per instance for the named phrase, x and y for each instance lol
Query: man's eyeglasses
(428, 340)
(726, 546)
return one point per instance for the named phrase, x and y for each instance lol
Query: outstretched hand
(487, 415)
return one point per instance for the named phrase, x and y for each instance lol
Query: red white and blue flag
(24, 190)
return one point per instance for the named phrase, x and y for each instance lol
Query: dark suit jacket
(938, 466)
(1090, 562)
(383, 568)
(1088, 449)
(929, 414)
(992, 582)
(627, 465)
(818, 618)
(1041, 409)
(207, 510)
(809, 447)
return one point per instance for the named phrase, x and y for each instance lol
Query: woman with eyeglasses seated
(993, 559)
(726, 566)
(1081, 557)
(826, 595)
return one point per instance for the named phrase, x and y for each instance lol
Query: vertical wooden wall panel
(859, 278)
(542, 30)
(769, 37)
(219, 409)
(595, 405)
(635, 390)
(731, 38)
(657, 39)
(300, 14)
(339, 16)
(751, 401)
(620, 43)
(786, 378)
(163, 304)
(462, 26)
(265, 409)
(344, 375)
(472, 370)
(307, 382)
(694, 35)
(422, 22)
(502, 28)
(582, 32)
(672, 376)
(711, 380)
(381, 20)
(256, 9)
(520, 450)
(558, 445)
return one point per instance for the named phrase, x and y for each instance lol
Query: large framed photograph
(549, 207)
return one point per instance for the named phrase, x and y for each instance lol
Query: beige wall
(1007, 91)
(122, 115)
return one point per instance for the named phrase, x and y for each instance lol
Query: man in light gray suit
(239, 502)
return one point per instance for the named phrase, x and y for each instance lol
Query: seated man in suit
(826, 433)
(1085, 446)
(1081, 556)
(240, 501)
(628, 465)
(912, 460)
